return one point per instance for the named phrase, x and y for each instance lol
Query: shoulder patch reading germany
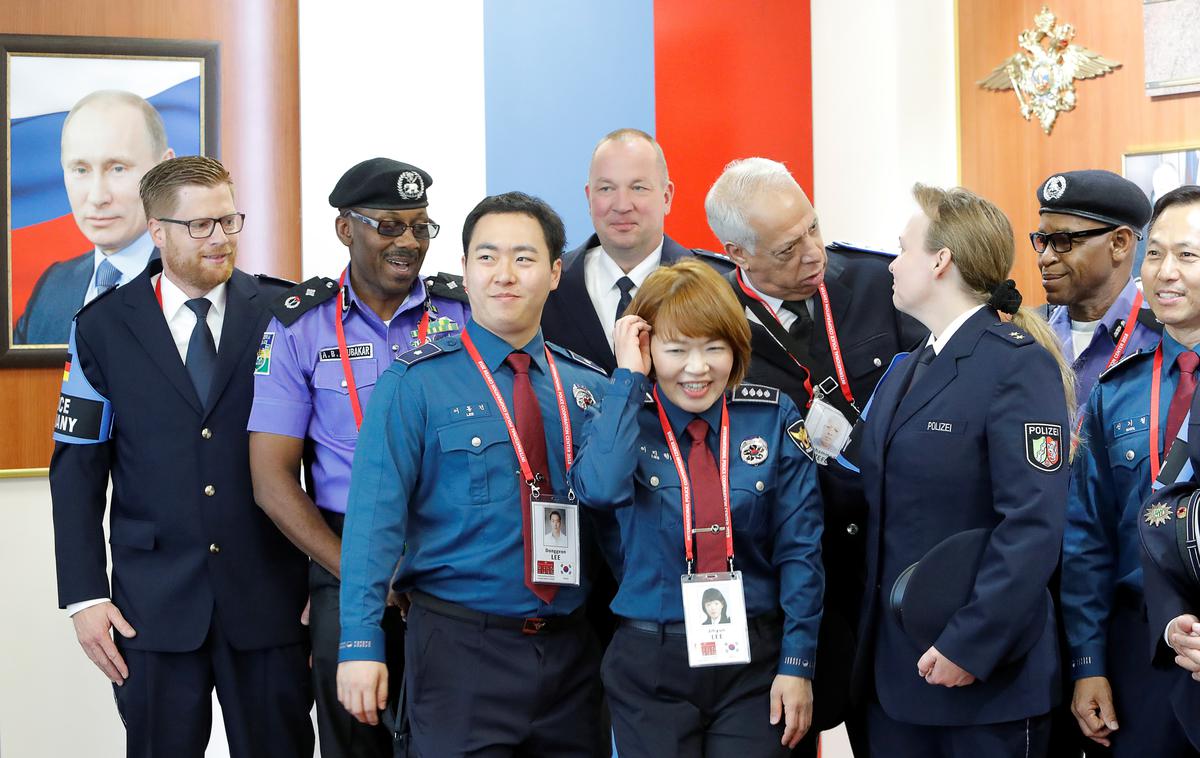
(84, 416)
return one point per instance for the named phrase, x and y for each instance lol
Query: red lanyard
(344, 354)
(564, 414)
(685, 487)
(1155, 381)
(1117, 353)
(834, 346)
(158, 290)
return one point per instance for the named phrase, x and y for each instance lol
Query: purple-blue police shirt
(1092, 362)
(300, 389)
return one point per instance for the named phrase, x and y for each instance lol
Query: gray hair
(733, 191)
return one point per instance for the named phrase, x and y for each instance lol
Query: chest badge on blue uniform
(583, 396)
(1158, 514)
(1043, 446)
(754, 450)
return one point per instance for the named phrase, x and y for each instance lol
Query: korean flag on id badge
(714, 615)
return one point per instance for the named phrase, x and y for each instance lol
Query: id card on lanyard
(828, 428)
(555, 547)
(714, 604)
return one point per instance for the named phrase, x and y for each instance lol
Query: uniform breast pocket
(331, 396)
(870, 355)
(1127, 454)
(749, 497)
(482, 449)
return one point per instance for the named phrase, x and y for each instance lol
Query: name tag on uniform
(828, 430)
(714, 616)
(555, 527)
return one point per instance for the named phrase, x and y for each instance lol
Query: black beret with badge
(1098, 195)
(384, 184)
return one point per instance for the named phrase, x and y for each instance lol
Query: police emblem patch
(798, 434)
(754, 450)
(1043, 446)
(262, 361)
(292, 302)
(583, 396)
(1181, 512)
(410, 185)
(1055, 187)
(1158, 514)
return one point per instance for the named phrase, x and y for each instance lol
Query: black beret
(1099, 195)
(384, 184)
(928, 593)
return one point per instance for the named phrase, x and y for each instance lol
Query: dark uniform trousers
(1026, 738)
(342, 735)
(662, 708)
(476, 689)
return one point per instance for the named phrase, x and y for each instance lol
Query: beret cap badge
(1055, 187)
(410, 185)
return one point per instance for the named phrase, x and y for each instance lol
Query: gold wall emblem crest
(1043, 74)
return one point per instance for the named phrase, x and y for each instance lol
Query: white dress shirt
(181, 321)
(130, 261)
(786, 317)
(600, 275)
(940, 341)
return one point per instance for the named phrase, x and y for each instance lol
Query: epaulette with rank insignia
(428, 350)
(446, 286)
(576, 357)
(1010, 332)
(302, 298)
(1120, 365)
(754, 393)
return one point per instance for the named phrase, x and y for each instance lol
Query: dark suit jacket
(59, 292)
(179, 555)
(570, 321)
(870, 332)
(958, 452)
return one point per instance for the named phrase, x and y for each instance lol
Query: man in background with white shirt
(205, 590)
(110, 139)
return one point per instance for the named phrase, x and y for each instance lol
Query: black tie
(202, 351)
(802, 328)
(626, 285)
(924, 358)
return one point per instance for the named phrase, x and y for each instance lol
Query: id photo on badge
(714, 612)
(555, 543)
(828, 430)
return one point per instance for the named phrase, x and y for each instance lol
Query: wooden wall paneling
(1005, 158)
(260, 144)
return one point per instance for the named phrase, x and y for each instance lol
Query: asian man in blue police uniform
(788, 282)
(462, 440)
(205, 590)
(379, 307)
(1135, 408)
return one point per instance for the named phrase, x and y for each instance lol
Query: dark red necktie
(1181, 401)
(533, 438)
(707, 503)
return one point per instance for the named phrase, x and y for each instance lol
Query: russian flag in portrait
(43, 89)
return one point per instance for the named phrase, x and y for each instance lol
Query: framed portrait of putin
(85, 118)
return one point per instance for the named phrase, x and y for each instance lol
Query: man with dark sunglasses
(329, 341)
(1090, 224)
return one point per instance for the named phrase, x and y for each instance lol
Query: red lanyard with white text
(564, 414)
(1117, 353)
(344, 354)
(835, 347)
(685, 487)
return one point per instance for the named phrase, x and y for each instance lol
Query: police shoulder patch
(446, 286)
(576, 357)
(300, 299)
(1043, 446)
(428, 350)
(754, 393)
(1121, 365)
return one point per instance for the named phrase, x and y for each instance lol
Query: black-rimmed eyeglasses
(1062, 242)
(422, 230)
(202, 228)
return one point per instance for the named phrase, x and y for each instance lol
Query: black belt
(532, 625)
(679, 628)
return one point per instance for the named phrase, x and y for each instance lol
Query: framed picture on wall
(85, 118)
(1158, 170)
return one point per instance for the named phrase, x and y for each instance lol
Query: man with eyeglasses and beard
(317, 366)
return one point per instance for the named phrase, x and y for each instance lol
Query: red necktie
(1181, 401)
(708, 505)
(533, 438)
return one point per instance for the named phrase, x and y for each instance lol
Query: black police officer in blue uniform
(970, 433)
(686, 330)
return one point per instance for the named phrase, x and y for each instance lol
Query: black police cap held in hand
(1098, 195)
(384, 184)
(1005, 298)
